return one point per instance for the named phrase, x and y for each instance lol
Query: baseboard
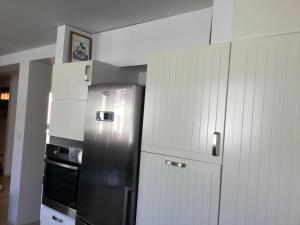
(34, 223)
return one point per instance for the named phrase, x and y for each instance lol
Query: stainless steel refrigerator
(110, 163)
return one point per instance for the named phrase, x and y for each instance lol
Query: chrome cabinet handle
(216, 144)
(177, 164)
(87, 73)
(57, 219)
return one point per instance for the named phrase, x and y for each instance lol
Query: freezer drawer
(50, 217)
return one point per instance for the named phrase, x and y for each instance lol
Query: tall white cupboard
(70, 82)
(261, 181)
(182, 137)
(182, 157)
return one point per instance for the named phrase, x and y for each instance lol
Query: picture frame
(80, 48)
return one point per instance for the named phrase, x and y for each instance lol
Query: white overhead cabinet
(70, 83)
(71, 80)
(260, 181)
(182, 136)
(185, 102)
(67, 118)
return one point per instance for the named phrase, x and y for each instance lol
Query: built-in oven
(61, 178)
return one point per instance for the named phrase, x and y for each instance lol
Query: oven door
(60, 188)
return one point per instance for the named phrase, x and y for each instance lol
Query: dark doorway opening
(4, 103)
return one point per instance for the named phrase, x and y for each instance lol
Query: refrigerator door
(108, 181)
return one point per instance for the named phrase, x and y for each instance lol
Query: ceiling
(32, 23)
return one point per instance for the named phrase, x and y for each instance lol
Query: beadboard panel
(185, 102)
(173, 195)
(260, 181)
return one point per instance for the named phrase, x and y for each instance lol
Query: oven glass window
(61, 185)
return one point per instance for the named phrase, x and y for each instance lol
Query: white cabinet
(185, 102)
(71, 80)
(170, 194)
(70, 83)
(260, 181)
(50, 217)
(67, 118)
(184, 108)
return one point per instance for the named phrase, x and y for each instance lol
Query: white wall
(15, 182)
(10, 124)
(142, 77)
(222, 22)
(131, 45)
(15, 213)
(34, 142)
(47, 51)
(257, 18)
(243, 19)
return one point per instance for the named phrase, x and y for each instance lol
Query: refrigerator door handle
(127, 190)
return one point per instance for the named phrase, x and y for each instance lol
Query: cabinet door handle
(177, 164)
(57, 219)
(87, 73)
(127, 193)
(216, 144)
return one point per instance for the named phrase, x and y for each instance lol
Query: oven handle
(61, 164)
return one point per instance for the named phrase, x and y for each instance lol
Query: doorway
(8, 97)
(4, 180)
(4, 102)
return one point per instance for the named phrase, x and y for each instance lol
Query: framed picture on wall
(80, 47)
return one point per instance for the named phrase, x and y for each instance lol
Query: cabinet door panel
(185, 102)
(170, 195)
(67, 118)
(50, 217)
(69, 80)
(260, 181)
